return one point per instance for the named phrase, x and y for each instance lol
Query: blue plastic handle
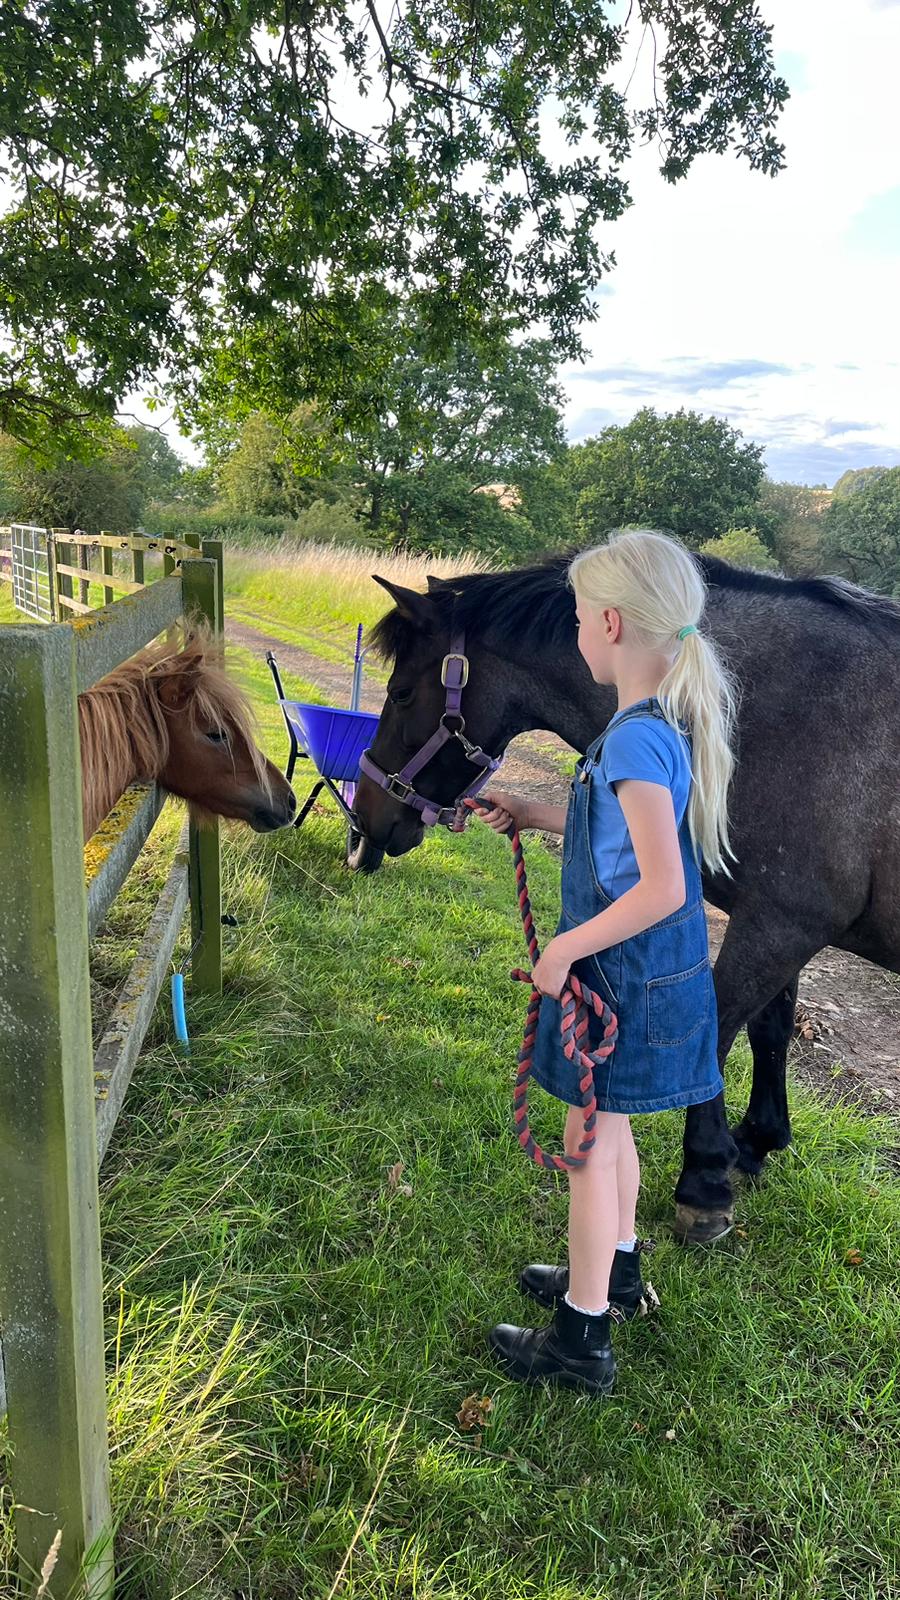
(178, 1016)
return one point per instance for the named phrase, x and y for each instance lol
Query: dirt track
(849, 1010)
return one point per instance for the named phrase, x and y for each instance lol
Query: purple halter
(399, 785)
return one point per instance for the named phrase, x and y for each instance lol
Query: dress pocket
(678, 1006)
(604, 975)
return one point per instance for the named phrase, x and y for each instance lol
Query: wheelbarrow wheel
(362, 855)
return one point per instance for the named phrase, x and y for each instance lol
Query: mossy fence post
(50, 1279)
(51, 1310)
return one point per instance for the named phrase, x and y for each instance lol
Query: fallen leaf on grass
(650, 1302)
(473, 1413)
(395, 1173)
(853, 1258)
(669, 1434)
(383, 1016)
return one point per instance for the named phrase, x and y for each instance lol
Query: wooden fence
(43, 565)
(58, 1101)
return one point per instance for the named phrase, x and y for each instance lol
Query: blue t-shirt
(651, 750)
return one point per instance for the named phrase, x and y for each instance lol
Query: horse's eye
(401, 697)
(217, 736)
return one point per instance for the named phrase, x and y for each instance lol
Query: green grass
(287, 1332)
(8, 612)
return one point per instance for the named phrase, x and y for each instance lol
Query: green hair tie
(685, 631)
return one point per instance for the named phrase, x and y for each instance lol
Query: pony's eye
(217, 736)
(401, 697)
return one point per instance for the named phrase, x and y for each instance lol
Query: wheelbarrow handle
(273, 666)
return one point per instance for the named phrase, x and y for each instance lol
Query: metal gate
(32, 585)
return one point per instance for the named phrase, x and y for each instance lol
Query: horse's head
(417, 637)
(212, 759)
(172, 714)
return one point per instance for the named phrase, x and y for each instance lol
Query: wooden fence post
(63, 552)
(50, 1277)
(106, 563)
(85, 552)
(201, 583)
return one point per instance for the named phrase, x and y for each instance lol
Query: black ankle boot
(548, 1285)
(575, 1351)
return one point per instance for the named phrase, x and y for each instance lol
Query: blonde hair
(659, 590)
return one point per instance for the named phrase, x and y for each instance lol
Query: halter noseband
(399, 785)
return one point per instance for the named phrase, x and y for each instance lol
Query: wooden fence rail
(58, 1102)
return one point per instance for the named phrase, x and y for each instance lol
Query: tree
(795, 517)
(743, 548)
(157, 467)
(862, 532)
(681, 473)
(218, 192)
(267, 468)
(442, 428)
(856, 478)
(104, 492)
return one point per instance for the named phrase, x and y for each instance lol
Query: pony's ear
(175, 688)
(412, 605)
(434, 583)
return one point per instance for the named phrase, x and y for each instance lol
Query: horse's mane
(876, 611)
(528, 604)
(534, 606)
(123, 727)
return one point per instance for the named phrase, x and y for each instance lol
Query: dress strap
(643, 708)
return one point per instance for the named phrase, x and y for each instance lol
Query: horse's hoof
(692, 1226)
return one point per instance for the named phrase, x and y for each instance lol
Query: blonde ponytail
(656, 585)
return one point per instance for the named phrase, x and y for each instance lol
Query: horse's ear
(175, 688)
(411, 604)
(434, 583)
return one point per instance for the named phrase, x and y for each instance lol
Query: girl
(648, 801)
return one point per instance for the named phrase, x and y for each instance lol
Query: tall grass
(326, 587)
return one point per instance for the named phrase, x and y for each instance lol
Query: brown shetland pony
(172, 714)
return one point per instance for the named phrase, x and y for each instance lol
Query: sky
(771, 302)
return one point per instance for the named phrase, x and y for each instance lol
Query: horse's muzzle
(267, 819)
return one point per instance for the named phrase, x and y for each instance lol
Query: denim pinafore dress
(659, 983)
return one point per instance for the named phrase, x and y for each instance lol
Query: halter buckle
(397, 788)
(455, 655)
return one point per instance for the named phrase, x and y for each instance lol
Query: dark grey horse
(815, 803)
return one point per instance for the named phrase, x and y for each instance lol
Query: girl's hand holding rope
(551, 969)
(503, 811)
(576, 1000)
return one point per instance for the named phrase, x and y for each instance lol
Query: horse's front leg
(704, 1201)
(766, 1124)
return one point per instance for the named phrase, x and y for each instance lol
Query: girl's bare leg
(628, 1179)
(594, 1209)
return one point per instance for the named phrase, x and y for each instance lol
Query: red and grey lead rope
(576, 1003)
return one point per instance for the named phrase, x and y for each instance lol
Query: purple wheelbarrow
(333, 740)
